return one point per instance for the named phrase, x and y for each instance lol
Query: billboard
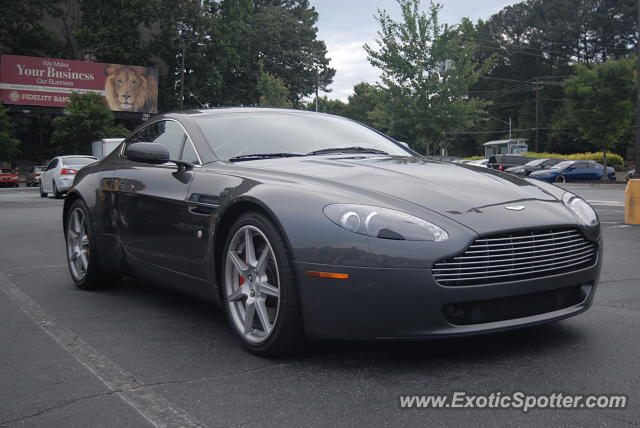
(49, 82)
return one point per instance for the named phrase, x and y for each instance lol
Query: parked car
(502, 162)
(630, 174)
(574, 171)
(9, 178)
(311, 225)
(534, 165)
(59, 174)
(33, 178)
(479, 162)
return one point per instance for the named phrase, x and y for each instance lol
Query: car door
(580, 171)
(47, 176)
(151, 200)
(595, 171)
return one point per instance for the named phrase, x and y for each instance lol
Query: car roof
(79, 156)
(222, 110)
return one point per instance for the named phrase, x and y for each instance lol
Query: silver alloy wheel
(78, 244)
(252, 284)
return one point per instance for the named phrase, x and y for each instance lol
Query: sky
(346, 25)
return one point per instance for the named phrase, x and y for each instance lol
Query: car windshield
(562, 165)
(231, 135)
(79, 160)
(535, 162)
(6, 171)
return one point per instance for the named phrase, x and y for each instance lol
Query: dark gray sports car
(310, 225)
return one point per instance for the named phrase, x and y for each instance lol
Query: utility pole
(637, 156)
(317, 89)
(537, 89)
(182, 78)
(510, 122)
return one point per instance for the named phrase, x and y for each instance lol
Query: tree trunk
(605, 177)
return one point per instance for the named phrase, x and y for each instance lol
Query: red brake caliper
(241, 279)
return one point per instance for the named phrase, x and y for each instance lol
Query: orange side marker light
(327, 274)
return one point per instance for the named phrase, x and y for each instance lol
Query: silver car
(60, 172)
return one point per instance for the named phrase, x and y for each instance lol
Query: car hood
(460, 192)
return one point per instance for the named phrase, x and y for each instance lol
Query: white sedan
(59, 175)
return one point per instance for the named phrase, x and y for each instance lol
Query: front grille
(517, 256)
(507, 308)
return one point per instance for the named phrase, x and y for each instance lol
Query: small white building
(512, 146)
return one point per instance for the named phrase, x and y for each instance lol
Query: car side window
(580, 165)
(169, 134)
(189, 153)
(139, 137)
(52, 164)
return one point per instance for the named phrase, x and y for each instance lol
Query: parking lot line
(150, 405)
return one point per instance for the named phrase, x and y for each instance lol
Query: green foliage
(329, 106)
(540, 41)
(22, 31)
(599, 104)
(272, 90)
(88, 119)
(427, 71)
(112, 32)
(225, 41)
(9, 146)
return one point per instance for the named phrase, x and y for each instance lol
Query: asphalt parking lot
(134, 354)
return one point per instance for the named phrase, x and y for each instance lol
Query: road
(135, 355)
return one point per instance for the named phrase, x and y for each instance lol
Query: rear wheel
(43, 194)
(82, 256)
(259, 288)
(56, 193)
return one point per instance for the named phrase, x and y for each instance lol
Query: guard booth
(512, 146)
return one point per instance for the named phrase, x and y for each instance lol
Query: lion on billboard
(131, 88)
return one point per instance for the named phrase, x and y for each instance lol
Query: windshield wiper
(357, 149)
(264, 156)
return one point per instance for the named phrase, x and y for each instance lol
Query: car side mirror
(571, 168)
(404, 143)
(154, 153)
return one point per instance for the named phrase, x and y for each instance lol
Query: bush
(614, 160)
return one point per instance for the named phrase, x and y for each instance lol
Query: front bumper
(395, 303)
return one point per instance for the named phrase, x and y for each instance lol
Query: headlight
(383, 223)
(581, 209)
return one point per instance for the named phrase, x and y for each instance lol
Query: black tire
(43, 194)
(94, 277)
(56, 193)
(561, 179)
(287, 335)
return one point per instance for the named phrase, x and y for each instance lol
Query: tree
(599, 103)
(9, 146)
(283, 36)
(365, 99)
(272, 90)
(22, 31)
(112, 34)
(88, 119)
(427, 71)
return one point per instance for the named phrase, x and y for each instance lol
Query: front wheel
(43, 194)
(259, 287)
(561, 179)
